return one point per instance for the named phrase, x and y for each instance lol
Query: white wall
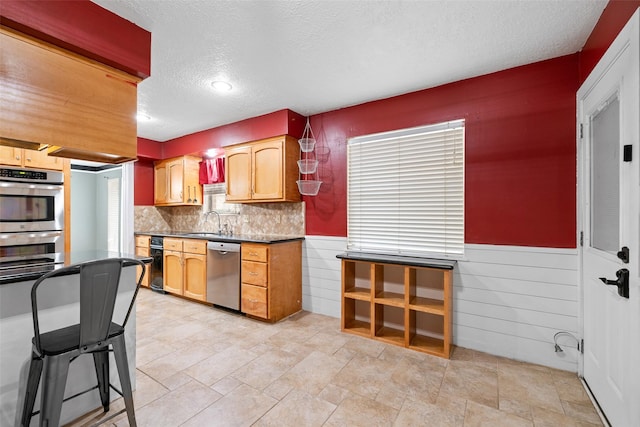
(321, 274)
(508, 301)
(83, 210)
(89, 208)
(101, 205)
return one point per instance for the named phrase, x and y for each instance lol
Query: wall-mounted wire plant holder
(308, 182)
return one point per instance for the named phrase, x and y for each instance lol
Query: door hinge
(581, 346)
(580, 130)
(582, 238)
(627, 153)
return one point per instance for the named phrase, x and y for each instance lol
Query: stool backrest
(99, 282)
(98, 290)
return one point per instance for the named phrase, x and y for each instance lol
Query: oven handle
(28, 237)
(31, 186)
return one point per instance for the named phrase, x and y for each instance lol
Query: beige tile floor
(201, 366)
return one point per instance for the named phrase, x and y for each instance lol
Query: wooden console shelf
(403, 301)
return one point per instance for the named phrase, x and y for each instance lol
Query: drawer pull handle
(253, 273)
(253, 253)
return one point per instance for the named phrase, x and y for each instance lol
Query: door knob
(622, 282)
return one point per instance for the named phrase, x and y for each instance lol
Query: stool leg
(33, 379)
(101, 362)
(54, 381)
(120, 353)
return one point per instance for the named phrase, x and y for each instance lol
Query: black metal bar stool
(95, 334)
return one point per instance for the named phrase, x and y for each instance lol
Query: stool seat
(67, 339)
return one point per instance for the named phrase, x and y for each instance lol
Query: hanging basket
(307, 144)
(308, 187)
(307, 166)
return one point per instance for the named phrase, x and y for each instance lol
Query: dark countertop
(397, 259)
(236, 238)
(16, 269)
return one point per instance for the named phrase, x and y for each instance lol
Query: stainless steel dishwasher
(223, 274)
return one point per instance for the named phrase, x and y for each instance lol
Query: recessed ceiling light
(221, 86)
(141, 117)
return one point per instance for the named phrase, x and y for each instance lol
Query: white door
(609, 194)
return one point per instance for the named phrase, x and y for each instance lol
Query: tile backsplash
(285, 219)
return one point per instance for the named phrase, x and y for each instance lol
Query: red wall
(282, 122)
(520, 144)
(83, 27)
(143, 183)
(612, 20)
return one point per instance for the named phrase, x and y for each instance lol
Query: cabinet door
(193, 193)
(267, 170)
(142, 251)
(172, 272)
(195, 276)
(175, 183)
(40, 159)
(160, 184)
(238, 173)
(10, 156)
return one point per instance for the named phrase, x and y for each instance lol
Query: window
(405, 191)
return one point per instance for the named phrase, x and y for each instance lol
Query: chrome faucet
(218, 215)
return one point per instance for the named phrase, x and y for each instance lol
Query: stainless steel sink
(202, 235)
(208, 235)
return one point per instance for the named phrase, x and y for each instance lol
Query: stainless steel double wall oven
(31, 220)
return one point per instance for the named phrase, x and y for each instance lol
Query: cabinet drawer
(172, 244)
(143, 241)
(254, 301)
(195, 246)
(252, 252)
(254, 273)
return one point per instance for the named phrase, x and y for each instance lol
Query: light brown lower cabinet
(405, 305)
(185, 267)
(142, 249)
(195, 269)
(271, 276)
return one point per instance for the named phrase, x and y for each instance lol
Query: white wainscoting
(511, 300)
(508, 300)
(321, 274)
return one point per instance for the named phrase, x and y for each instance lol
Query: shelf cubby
(389, 285)
(356, 317)
(403, 301)
(427, 333)
(426, 289)
(356, 279)
(389, 324)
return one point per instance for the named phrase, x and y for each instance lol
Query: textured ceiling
(318, 55)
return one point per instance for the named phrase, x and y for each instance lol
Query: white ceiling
(319, 55)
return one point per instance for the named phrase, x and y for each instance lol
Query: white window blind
(113, 214)
(406, 191)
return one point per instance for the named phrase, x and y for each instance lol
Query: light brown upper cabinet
(29, 159)
(77, 107)
(263, 171)
(176, 181)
